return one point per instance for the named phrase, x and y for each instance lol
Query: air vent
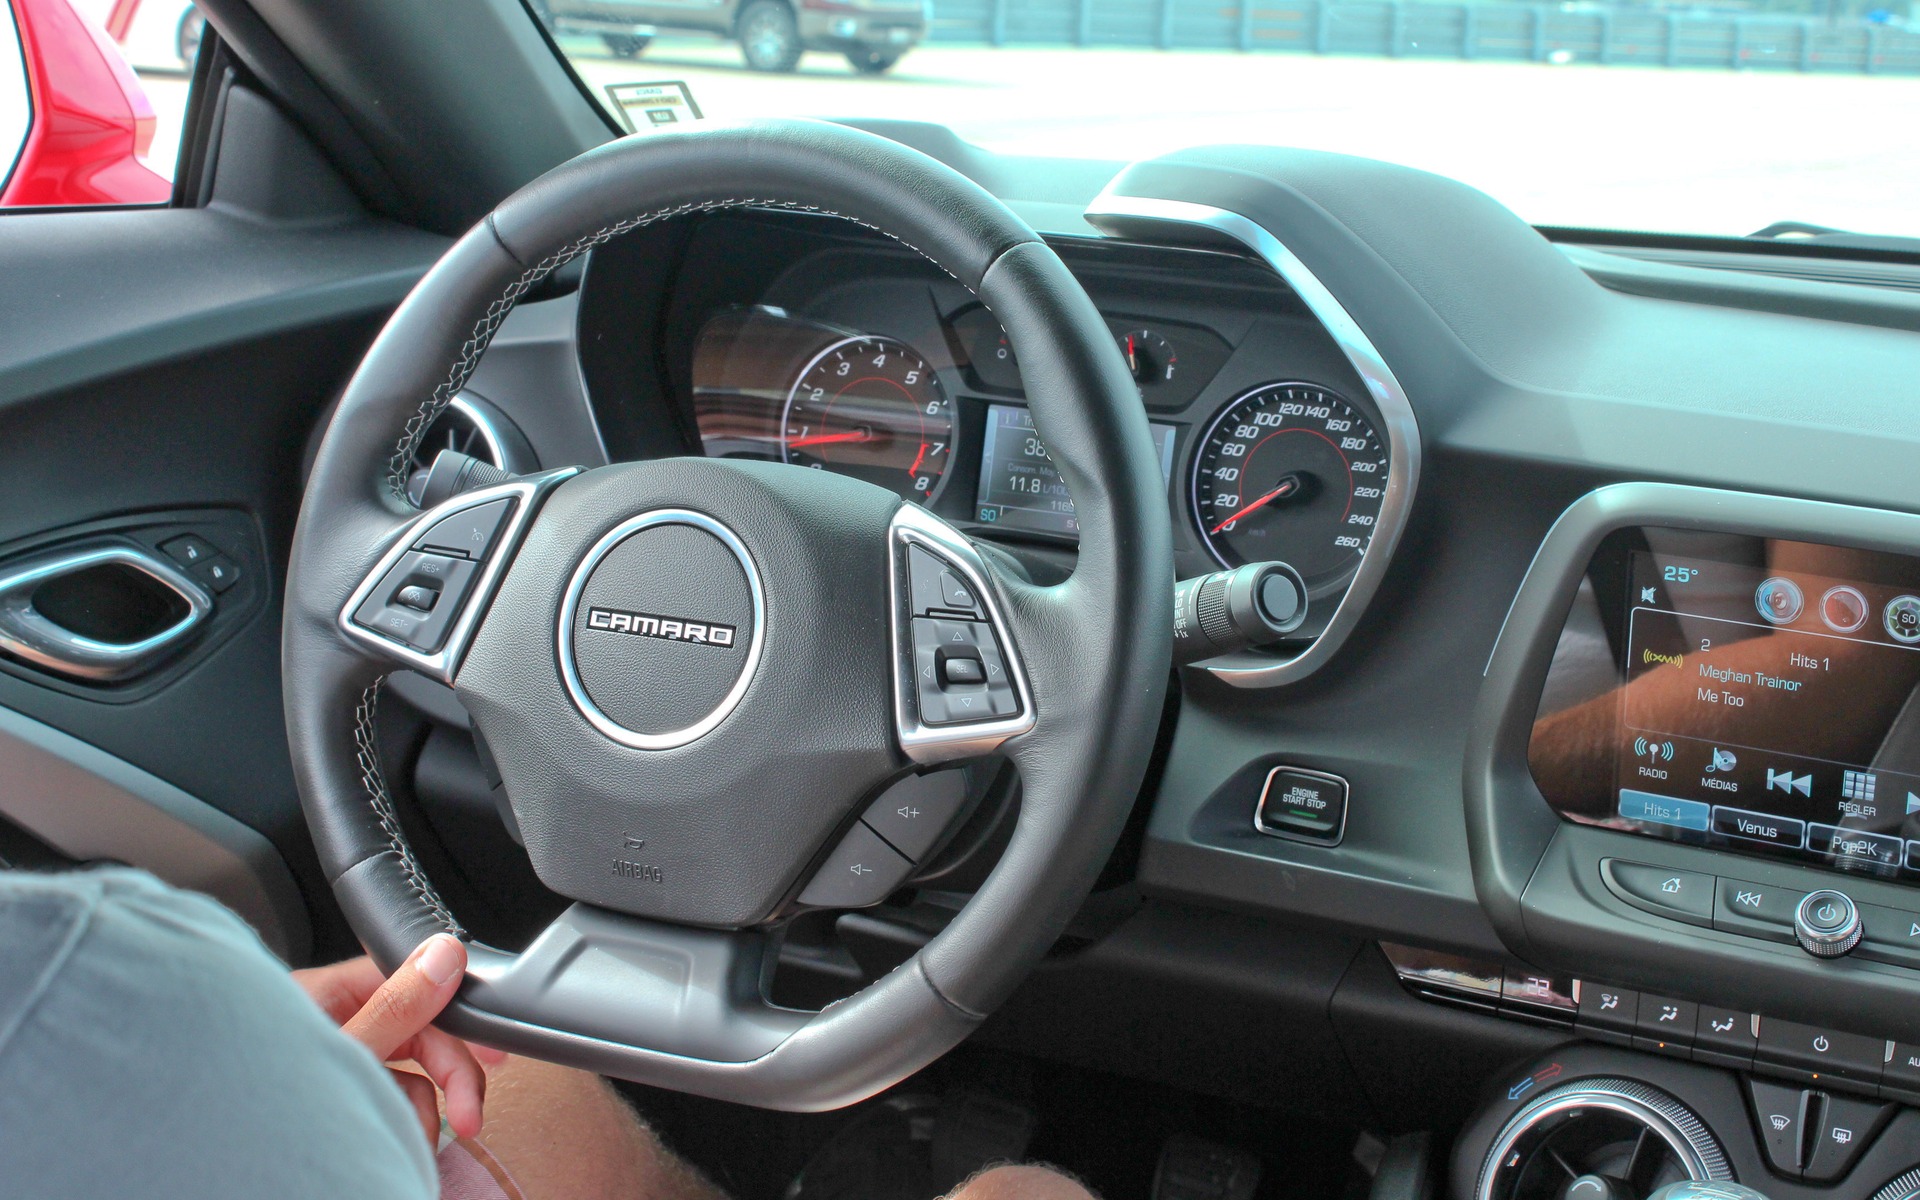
(472, 426)
(1619, 1140)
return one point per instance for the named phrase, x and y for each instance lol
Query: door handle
(28, 633)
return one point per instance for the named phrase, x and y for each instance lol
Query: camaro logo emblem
(669, 628)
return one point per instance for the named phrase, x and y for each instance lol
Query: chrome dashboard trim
(1134, 217)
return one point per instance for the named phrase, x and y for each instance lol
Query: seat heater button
(862, 870)
(912, 814)
(1681, 895)
(468, 533)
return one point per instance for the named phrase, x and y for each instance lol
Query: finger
(411, 998)
(457, 1074)
(420, 1094)
(488, 1056)
(340, 989)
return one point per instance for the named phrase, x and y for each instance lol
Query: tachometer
(1290, 471)
(870, 407)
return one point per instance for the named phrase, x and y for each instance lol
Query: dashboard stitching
(489, 324)
(375, 782)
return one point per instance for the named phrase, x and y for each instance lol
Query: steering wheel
(695, 675)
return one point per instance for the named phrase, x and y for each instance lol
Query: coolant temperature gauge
(1149, 356)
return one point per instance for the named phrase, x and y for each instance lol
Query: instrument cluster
(1286, 469)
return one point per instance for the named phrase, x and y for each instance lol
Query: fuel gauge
(1149, 356)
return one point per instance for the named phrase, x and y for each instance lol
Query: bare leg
(1021, 1183)
(564, 1134)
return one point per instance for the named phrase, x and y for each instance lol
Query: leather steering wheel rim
(1095, 649)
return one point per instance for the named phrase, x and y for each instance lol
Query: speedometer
(1290, 471)
(870, 407)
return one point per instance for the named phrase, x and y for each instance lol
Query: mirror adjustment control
(1826, 923)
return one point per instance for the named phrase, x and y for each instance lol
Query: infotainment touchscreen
(1763, 696)
(1019, 486)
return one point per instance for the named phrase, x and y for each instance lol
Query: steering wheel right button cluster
(959, 672)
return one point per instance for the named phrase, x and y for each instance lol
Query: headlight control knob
(1826, 923)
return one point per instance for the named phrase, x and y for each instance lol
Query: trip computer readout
(1019, 487)
(1767, 709)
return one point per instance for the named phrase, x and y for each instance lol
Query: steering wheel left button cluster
(417, 603)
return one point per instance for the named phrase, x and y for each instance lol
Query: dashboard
(1607, 698)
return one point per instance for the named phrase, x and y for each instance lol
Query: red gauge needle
(1133, 362)
(1288, 487)
(827, 439)
(918, 459)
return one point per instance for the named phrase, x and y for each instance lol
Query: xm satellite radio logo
(1650, 657)
(670, 629)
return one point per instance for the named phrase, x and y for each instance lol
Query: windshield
(1720, 118)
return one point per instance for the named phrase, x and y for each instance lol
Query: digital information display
(1018, 484)
(1772, 710)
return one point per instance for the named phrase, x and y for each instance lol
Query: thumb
(411, 997)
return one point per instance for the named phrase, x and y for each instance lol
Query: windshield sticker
(651, 105)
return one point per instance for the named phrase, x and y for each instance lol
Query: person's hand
(392, 1016)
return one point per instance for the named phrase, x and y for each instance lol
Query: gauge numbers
(870, 407)
(1290, 471)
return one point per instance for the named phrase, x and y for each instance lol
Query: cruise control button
(1780, 1113)
(416, 597)
(1846, 1128)
(1681, 895)
(862, 870)
(912, 814)
(468, 533)
(1810, 1052)
(1664, 1024)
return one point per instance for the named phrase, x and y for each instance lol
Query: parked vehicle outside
(75, 125)
(773, 34)
(155, 35)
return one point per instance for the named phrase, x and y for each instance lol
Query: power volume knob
(1826, 924)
